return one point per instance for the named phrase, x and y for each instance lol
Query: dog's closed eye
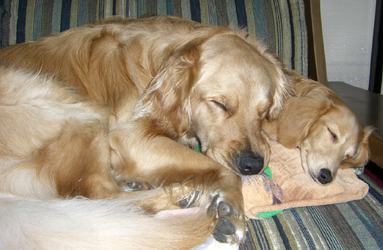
(220, 105)
(333, 135)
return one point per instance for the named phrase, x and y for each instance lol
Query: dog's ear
(362, 154)
(282, 92)
(167, 99)
(283, 89)
(297, 116)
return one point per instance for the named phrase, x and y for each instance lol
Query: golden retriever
(102, 109)
(327, 132)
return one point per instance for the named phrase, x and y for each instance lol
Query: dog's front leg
(162, 162)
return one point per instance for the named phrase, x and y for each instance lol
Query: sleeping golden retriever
(102, 109)
(327, 132)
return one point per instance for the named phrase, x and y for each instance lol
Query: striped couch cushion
(351, 225)
(279, 24)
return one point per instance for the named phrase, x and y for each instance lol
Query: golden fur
(327, 132)
(98, 109)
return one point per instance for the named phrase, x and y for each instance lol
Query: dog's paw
(231, 226)
(190, 200)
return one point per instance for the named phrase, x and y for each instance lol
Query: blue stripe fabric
(37, 19)
(292, 33)
(169, 8)
(65, 15)
(101, 9)
(370, 226)
(352, 225)
(325, 228)
(241, 13)
(114, 7)
(82, 8)
(195, 10)
(279, 29)
(259, 20)
(261, 240)
(375, 193)
(22, 13)
(303, 228)
(282, 232)
(263, 18)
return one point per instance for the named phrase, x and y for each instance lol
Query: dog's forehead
(343, 117)
(235, 82)
(252, 72)
(232, 67)
(343, 122)
(230, 52)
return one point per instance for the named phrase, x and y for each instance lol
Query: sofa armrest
(316, 55)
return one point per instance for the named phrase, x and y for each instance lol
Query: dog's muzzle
(249, 163)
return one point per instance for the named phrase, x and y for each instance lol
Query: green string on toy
(271, 213)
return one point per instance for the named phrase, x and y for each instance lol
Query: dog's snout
(325, 176)
(249, 163)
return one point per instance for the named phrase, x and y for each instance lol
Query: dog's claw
(225, 227)
(228, 228)
(224, 209)
(134, 186)
(220, 237)
(183, 203)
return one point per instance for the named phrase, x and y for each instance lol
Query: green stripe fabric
(279, 24)
(352, 225)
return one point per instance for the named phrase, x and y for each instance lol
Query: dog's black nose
(325, 176)
(249, 163)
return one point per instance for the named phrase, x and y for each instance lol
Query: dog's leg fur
(224, 186)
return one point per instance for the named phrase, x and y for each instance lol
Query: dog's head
(327, 133)
(215, 91)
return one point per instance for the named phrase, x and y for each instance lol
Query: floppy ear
(166, 102)
(283, 90)
(297, 116)
(362, 154)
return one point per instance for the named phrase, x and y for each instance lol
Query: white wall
(347, 33)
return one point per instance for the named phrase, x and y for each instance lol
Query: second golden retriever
(327, 132)
(99, 110)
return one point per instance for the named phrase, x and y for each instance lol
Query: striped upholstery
(280, 24)
(351, 225)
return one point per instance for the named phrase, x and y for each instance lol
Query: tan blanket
(290, 187)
